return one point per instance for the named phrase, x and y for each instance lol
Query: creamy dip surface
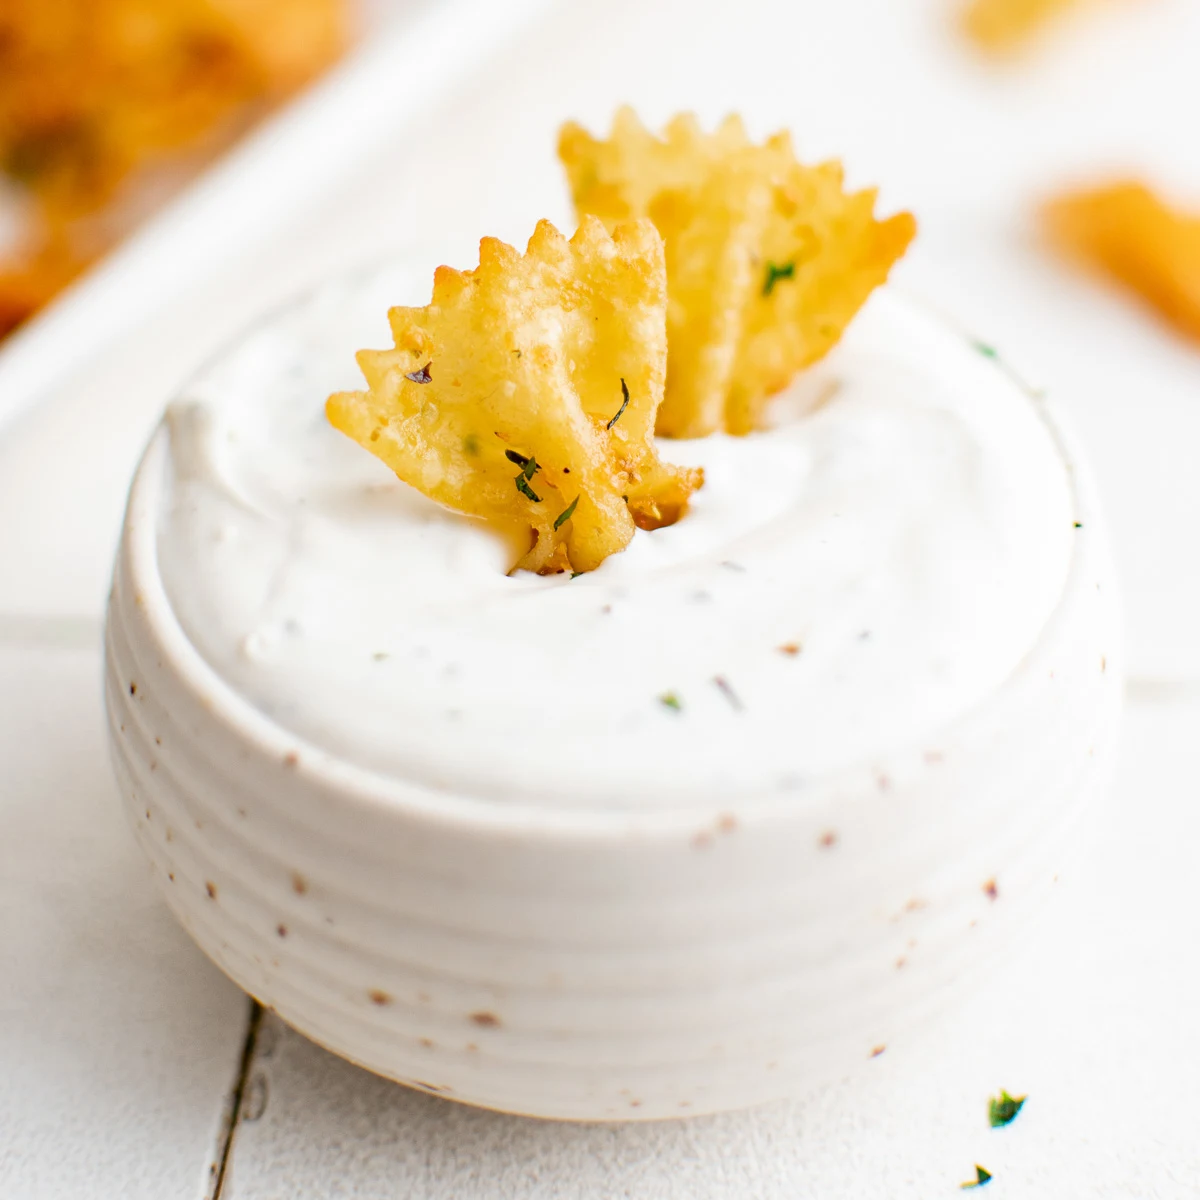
(846, 583)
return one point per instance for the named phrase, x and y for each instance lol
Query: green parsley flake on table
(1002, 1109)
(981, 1177)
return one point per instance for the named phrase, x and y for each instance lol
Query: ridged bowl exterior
(604, 965)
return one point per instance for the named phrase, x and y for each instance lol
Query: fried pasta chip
(526, 391)
(1004, 26)
(107, 106)
(768, 261)
(91, 89)
(1130, 234)
(31, 282)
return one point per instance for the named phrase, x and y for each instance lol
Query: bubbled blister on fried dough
(526, 392)
(768, 261)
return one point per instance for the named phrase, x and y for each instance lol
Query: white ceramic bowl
(598, 964)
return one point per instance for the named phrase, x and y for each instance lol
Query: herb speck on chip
(566, 514)
(624, 405)
(525, 490)
(420, 376)
(529, 468)
(775, 274)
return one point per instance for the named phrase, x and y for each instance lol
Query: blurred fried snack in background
(768, 261)
(1133, 237)
(108, 105)
(525, 393)
(1004, 27)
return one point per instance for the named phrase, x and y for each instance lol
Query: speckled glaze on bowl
(605, 965)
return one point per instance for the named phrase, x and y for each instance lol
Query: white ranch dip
(845, 584)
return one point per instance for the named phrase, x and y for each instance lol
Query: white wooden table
(124, 1054)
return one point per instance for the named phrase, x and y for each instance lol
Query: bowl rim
(358, 786)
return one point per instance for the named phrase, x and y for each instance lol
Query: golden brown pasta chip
(768, 261)
(526, 391)
(1131, 235)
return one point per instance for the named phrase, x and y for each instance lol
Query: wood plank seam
(223, 1153)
